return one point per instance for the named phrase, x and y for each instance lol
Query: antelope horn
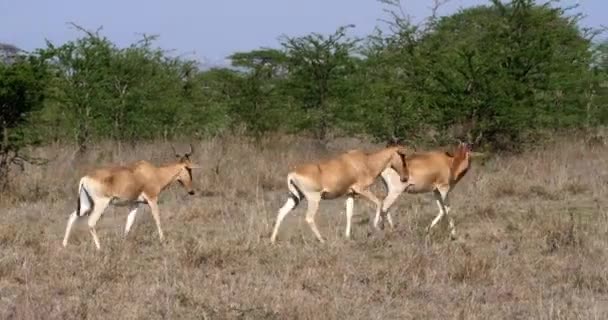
(189, 153)
(478, 137)
(392, 140)
(174, 152)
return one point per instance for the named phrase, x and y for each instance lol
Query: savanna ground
(533, 243)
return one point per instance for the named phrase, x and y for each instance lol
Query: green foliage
(513, 67)
(507, 70)
(259, 104)
(22, 92)
(599, 94)
(137, 92)
(320, 73)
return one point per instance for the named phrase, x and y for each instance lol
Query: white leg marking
(68, 229)
(446, 208)
(377, 220)
(394, 188)
(285, 209)
(393, 193)
(442, 202)
(390, 220)
(98, 207)
(131, 219)
(451, 222)
(156, 215)
(438, 217)
(350, 202)
(313, 207)
(372, 198)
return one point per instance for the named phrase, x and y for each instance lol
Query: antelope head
(399, 162)
(469, 146)
(184, 176)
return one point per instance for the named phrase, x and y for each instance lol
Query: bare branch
(430, 21)
(435, 8)
(89, 33)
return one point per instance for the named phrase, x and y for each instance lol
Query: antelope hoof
(379, 225)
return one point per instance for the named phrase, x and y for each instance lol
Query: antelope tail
(294, 191)
(85, 202)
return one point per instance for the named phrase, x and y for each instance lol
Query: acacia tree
(319, 70)
(148, 92)
(259, 102)
(22, 91)
(507, 69)
(214, 95)
(599, 94)
(102, 91)
(80, 81)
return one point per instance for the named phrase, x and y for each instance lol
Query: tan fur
(347, 174)
(132, 185)
(141, 177)
(432, 171)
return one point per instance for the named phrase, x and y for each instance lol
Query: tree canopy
(509, 70)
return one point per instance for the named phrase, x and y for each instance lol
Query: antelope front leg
(289, 205)
(68, 229)
(441, 196)
(350, 202)
(156, 215)
(311, 211)
(98, 208)
(438, 217)
(392, 196)
(394, 188)
(131, 218)
(372, 197)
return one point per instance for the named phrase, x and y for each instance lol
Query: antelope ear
(194, 166)
(402, 151)
(189, 153)
(478, 139)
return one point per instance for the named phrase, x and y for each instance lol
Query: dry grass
(534, 244)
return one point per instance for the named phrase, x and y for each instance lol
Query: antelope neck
(167, 173)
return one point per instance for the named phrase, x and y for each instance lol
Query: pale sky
(211, 30)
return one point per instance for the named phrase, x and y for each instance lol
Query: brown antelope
(347, 174)
(432, 171)
(132, 185)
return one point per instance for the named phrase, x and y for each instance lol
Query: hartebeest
(431, 171)
(348, 174)
(132, 185)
